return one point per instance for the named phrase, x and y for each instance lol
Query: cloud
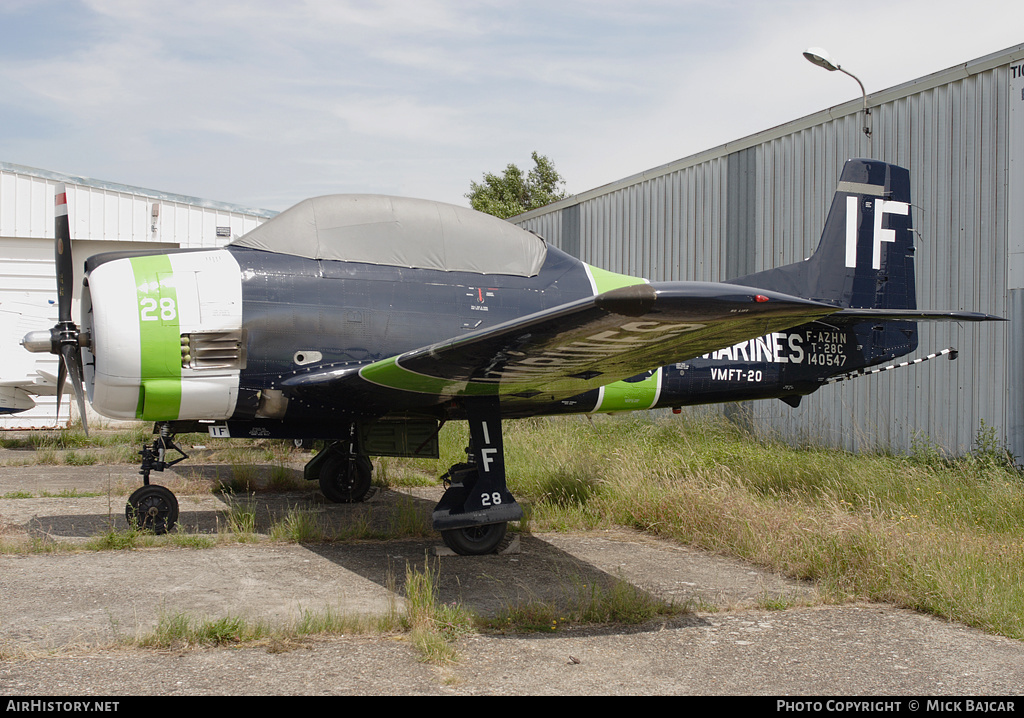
(260, 101)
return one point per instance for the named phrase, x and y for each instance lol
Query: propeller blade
(62, 255)
(62, 375)
(65, 336)
(72, 356)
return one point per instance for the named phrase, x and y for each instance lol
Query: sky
(263, 103)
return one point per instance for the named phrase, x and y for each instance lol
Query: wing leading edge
(566, 350)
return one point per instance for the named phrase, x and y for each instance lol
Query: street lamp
(820, 57)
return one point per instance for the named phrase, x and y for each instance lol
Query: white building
(104, 216)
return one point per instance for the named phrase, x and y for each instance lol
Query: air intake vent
(213, 350)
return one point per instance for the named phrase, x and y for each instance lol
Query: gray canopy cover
(400, 232)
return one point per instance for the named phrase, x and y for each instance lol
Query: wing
(21, 378)
(570, 349)
(16, 394)
(14, 399)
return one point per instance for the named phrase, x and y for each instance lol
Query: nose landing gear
(151, 507)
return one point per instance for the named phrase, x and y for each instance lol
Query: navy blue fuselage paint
(347, 316)
(354, 314)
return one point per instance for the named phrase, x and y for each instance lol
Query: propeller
(65, 339)
(66, 335)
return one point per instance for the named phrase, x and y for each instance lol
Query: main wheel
(475, 540)
(152, 508)
(345, 479)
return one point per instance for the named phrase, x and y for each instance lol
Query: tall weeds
(930, 533)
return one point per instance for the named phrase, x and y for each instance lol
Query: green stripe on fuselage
(630, 395)
(159, 338)
(606, 281)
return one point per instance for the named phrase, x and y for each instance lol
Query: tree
(511, 193)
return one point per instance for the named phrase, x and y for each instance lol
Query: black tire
(345, 479)
(475, 540)
(152, 508)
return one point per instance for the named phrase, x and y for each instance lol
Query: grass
(298, 525)
(241, 520)
(926, 531)
(616, 602)
(184, 630)
(120, 446)
(129, 539)
(434, 628)
(72, 447)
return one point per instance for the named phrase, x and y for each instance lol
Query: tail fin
(863, 263)
(865, 259)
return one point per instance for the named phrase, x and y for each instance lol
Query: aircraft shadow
(369, 539)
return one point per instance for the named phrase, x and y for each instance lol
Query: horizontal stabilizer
(918, 315)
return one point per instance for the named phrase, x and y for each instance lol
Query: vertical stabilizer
(865, 258)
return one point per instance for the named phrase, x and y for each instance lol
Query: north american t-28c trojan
(369, 321)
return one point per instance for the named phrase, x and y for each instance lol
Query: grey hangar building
(761, 201)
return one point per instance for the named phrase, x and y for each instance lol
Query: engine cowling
(165, 335)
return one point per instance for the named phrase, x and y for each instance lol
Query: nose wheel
(152, 508)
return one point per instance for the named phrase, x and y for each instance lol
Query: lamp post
(820, 57)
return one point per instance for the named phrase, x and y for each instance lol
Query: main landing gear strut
(472, 515)
(474, 512)
(343, 473)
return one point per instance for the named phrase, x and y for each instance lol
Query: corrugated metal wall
(111, 212)
(762, 201)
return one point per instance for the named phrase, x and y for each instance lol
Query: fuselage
(217, 334)
(209, 334)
